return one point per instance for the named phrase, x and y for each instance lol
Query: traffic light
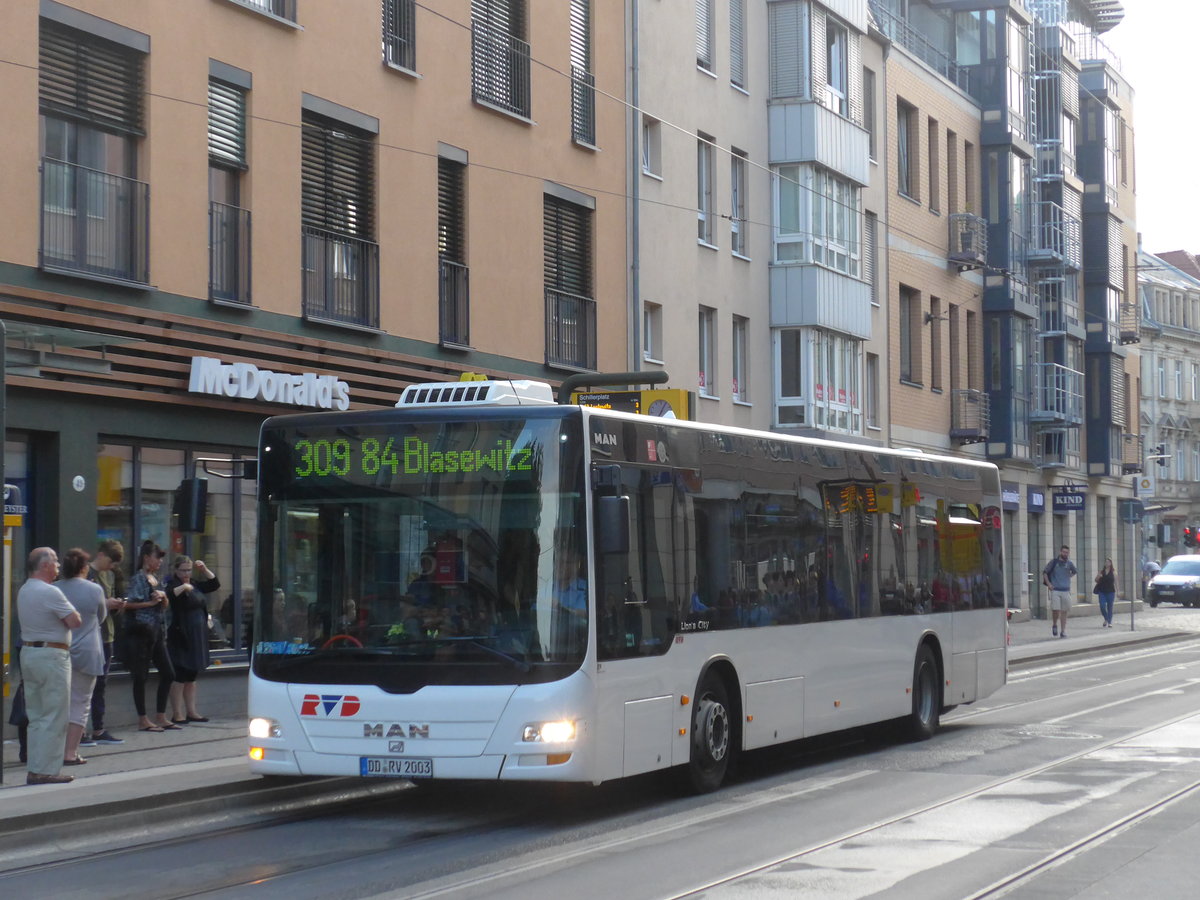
(1160, 454)
(1190, 535)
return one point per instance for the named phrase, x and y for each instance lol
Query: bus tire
(925, 717)
(712, 737)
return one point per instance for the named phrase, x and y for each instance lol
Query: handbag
(1096, 589)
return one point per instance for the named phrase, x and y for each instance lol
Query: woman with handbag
(187, 638)
(1106, 589)
(146, 637)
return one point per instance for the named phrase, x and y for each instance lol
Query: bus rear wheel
(712, 737)
(925, 717)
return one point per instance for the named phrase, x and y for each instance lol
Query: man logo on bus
(325, 704)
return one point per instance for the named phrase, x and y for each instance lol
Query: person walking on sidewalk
(103, 571)
(1106, 590)
(1057, 576)
(46, 618)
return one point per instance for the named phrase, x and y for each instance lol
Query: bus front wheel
(712, 737)
(925, 717)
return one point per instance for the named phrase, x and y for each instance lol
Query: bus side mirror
(612, 524)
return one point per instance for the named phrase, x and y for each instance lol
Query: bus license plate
(395, 767)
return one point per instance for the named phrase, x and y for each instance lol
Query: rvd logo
(329, 705)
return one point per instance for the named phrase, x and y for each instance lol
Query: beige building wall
(678, 274)
(876, 199)
(944, 127)
(335, 54)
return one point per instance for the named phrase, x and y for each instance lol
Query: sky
(1158, 43)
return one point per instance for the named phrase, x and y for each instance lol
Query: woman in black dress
(187, 637)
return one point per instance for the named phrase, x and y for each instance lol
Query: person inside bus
(570, 588)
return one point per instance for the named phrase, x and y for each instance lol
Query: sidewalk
(150, 776)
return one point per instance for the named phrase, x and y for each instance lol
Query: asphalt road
(1081, 778)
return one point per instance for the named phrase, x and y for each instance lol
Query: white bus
(484, 584)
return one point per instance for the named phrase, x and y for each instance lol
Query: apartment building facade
(223, 210)
(1049, 249)
(1170, 400)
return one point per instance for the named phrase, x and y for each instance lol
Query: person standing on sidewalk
(87, 653)
(103, 571)
(46, 618)
(1106, 590)
(1057, 576)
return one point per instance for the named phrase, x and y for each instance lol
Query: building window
(969, 175)
(935, 343)
(454, 298)
(870, 251)
(954, 330)
(704, 189)
(1162, 378)
(737, 43)
(952, 173)
(907, 164)
(817, 218)
(935, 168)
(583, 81)
(790, 408)
(567, 275)
(737, 202)
(95, 214)
(400, 33)
(869, 110)
(837, 81)
(1178, 380)
(708, 352)
(652, 349)
(337, 217)
(910, 335)
(651, 146)
(741, 378)
(500, 55)
(871, 390)
(705, 44)
(1196, 381)
(283, 9)
(228, 222)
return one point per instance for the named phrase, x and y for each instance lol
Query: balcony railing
(1059, 395)
(1057, 235)
(454, 304)
(499, 69)
(570, 330)
(1131, 321)
(968, 239)
(228, 253)
(583, 106)
(400, 33)
(970, 416)
(898, 29)
(94, 223)
(341, 278)
(1132, 453)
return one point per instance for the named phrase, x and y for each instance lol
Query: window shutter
(854, 76)
(450, 211)
(786, 26)
(337, 179)
(870, 230)
(507, 16)
(568, 247)
(704, 34)
(817, 53)
(1118, 384)
(226, 124)
(737, 42)
(88, 79)
(581, 34)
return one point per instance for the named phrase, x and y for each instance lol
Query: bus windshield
(415, 551)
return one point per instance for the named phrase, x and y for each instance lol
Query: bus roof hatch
(476, 393)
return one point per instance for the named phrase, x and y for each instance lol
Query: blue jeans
(1106, 605)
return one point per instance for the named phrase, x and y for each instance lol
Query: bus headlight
(264, 728)
(550, 732)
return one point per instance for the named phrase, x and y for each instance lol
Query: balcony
(1058, 397)
(1132, 454)
(1052, 449)
(968, 240)
(94, 223)
(341, 278)
(454, 304)
(970, 416)
(499, 70)
(570, 330)
(228, 253)
(583, 107)
(1130, 326)
(1057, 314)
(1056, 236)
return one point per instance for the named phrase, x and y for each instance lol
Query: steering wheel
(344, 638)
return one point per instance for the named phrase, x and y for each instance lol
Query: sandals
(77, 761)
(197, 719)
(157, 729)
(170, 726)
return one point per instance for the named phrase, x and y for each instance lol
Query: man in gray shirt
(1057, 576)
(46, 618)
